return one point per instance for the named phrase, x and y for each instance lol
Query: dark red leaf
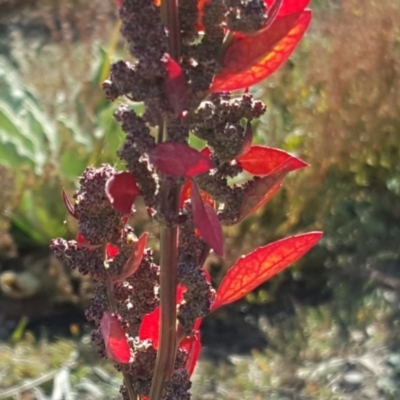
(179, 159)
(68, 205)
(262, 264)
(175, 85)
(249, 60)
(263, 190)
(116, 344)
(261, 160)
(122, 190)
(206, 220)
(135, 258)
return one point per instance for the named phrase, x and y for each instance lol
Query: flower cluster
(185, 60)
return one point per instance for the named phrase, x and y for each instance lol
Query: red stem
(168, 241)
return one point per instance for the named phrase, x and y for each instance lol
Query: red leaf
(249, 60)
(135, 258)
(149, 328)
(118, 3)
(111, 251)
(288, 6)
(117, 347)
(187, 191)
(244, 52)
(263, 190)
(262, 264)
(206, 151)
(206, 220)
(179, 159)
(121, 190)
(175, 85)
(272, 11)
(68, 205)
(261, 160)
(82, 242)
(193, 353)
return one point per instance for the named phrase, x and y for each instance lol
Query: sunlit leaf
(263, 190)
(179, 159)
(186, 194)
(251, 59)
(193, 350)
(135, 258)
(288, 6)
(206, 221)
(149, 328)
(261, 160)
(116, 344)
(262, 264)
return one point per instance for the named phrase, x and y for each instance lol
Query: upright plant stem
(168, 241)
(167, 344)
(170, 18)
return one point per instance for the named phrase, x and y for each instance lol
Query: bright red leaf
(250, 59)
(193, 350)
(122, 190)
(288, 6)
(263, 190)
(262, 264)
(261, 160)
(175, 85)
(111, 250)
(116, 344)
(187, 191)
(135, 258)
(82, 242)
(206, 221)
(179, 159)
(149, 328)
(244, 52)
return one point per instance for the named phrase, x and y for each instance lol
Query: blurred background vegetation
(327, 328)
